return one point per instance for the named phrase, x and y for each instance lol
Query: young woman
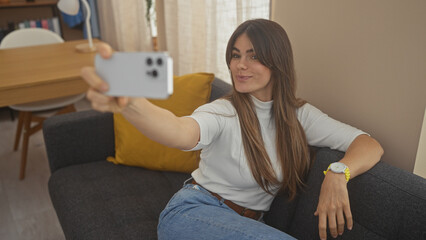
(254, 143)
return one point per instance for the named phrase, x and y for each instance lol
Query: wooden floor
(26, 211)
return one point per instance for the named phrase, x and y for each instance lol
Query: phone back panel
(137, 74)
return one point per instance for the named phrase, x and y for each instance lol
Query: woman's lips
(243, 78)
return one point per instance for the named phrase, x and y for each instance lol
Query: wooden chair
(35, 112)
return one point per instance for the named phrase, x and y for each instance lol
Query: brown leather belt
(253, 214)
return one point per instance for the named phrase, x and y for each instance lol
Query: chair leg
(27, 133)
(21, 118)
(67, 109)
(12, 114)
(25, 122)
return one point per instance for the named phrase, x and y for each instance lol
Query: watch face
(338, 167)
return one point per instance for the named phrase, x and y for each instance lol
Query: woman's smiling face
(248, 74)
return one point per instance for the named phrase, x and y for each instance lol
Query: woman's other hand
(333, 206)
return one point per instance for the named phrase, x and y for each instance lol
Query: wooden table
(29, 74)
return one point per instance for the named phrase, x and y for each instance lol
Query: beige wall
(364, 63)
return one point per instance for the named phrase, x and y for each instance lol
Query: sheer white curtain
(197, 31)
(123, 24)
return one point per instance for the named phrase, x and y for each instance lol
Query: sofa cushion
(100, 200)
(132, 148)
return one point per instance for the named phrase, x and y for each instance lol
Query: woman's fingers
(123, 102)
(97, 86)
(104, 50)
(334, 220)
(89, 73)
(348, 215)
(94, 81)
(322, 226)
(95, 96)
(104, 103)
(340, 222)
(99, 101)
(332, 224)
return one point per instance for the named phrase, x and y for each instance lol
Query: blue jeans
(193, 213)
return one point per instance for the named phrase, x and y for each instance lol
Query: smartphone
(137, 74)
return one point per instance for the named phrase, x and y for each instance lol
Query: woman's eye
(254, 57)
(235, 56)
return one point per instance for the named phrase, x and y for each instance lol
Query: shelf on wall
(28, 4)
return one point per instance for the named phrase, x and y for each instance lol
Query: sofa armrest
(390, 202)
(386, 203)
(78, 137)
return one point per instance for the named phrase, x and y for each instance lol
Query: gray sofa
(95, 199)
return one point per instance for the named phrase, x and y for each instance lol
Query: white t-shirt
(223, 167)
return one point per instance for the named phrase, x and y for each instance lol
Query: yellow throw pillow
(132, 148)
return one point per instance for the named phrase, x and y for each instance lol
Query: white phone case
(137, 74)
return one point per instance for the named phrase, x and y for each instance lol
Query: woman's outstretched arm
(154, 122)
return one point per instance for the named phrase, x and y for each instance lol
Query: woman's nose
(241, 64)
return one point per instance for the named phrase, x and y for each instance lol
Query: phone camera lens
(149, 61)
(160, 61)
(154, 73)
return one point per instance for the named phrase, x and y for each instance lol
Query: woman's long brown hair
(273, 50)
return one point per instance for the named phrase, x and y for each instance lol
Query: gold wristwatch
(339, 167)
